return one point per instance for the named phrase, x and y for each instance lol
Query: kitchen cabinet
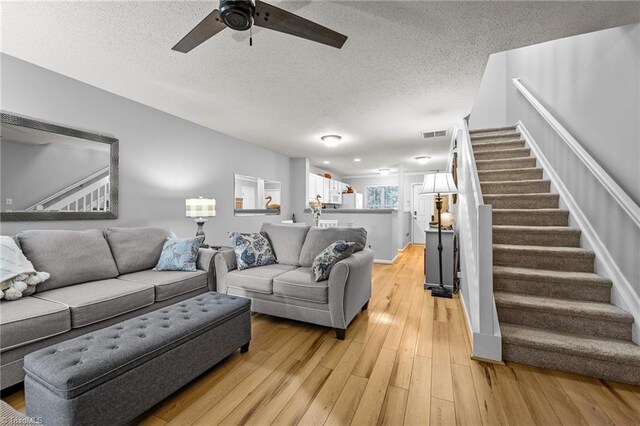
(329, 189)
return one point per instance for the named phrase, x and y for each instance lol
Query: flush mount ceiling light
(422, 159)
(384, 171)
(357, 160)
(331, 140)
(326, 162)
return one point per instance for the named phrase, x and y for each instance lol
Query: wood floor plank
(557, 397)
(425, 332)
(457, 344)
(347, 403)
(513, 401)
(419, 396)
(297, 406)
(442, 412)
(393, 407)
(323, 403)
(374, 394)
(538, 404)
(441, 378)
(464, 396)
(582, 400)
(485, 383)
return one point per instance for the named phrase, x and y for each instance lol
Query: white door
(248, 197)
(421, 211)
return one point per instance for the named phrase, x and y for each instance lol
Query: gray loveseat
(287, 289)
(97, 279)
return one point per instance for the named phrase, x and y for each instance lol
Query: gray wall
(163, 159)
(31, 173)
(590, 84)
(490, 105)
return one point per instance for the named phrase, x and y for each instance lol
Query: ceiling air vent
(428, 135)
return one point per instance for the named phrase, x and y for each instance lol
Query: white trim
(379, 175)
(611, 270)
(400, 250)
(386, 262)
(621, 197)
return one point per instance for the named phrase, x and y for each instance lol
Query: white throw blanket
(17, 275)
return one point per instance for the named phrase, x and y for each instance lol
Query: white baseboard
(400, 250)
(605, 264)
(386, 262)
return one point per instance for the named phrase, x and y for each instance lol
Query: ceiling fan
(240, 15)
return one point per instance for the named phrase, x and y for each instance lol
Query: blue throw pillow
(328, 257)
(179, 255)
(252, 250)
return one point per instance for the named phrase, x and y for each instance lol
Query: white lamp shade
(438, 183)
(200, 207)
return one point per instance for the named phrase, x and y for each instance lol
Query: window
(382, 197)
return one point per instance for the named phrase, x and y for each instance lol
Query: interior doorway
(421, 211)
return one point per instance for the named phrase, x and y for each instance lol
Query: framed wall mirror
(51, 172)
(256, 196)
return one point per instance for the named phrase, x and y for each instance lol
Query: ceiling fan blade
(277, 19)
(207, 28)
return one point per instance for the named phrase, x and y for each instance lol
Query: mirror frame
(67, 131)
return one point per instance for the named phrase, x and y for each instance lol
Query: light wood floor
(405, 361)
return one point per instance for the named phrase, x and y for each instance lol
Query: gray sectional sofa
(98, 278)
(287, 289)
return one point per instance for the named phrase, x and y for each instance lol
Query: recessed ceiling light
(326, 162)
(357, 160)
(331, 140)
(423, 159)
(384, 171)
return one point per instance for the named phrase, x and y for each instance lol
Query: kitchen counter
(358, 211)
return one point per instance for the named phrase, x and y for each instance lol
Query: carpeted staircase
(554, 311)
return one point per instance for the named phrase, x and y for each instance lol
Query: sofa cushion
(71, 257)
(136, 249)
(301, 284)
(287, 241)
(319, 239)
(169, 284)
(30, 319)
(259, 279)
(252, 249)
(100, 300)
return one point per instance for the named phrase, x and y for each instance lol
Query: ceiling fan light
(331, 140)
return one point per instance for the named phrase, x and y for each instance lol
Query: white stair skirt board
(604, 263)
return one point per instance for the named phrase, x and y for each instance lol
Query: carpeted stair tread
(533, 217)
(555, 236)
(493, 130)
(573, 308)
(543, 257)
(477, 137)
(498, 154)
(522, 201)
(516, 187)
(528, 173)
(612, 350)
(498, 145)
(506, 163)
(556, 284)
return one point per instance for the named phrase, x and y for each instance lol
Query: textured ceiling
(406, 68)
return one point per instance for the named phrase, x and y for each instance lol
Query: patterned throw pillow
(252, 250)
(179, 255)
(328, 257)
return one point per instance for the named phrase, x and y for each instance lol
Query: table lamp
(438, 183)
(200, 208)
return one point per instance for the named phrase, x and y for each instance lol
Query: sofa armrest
(223, 262)
(204, 262)
(350, 287)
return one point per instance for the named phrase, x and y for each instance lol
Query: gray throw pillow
(328, 257)
(252, 250)
(179, 255)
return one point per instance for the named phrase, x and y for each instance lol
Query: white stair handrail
(621, 197)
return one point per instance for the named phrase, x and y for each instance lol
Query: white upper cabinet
(329, 189)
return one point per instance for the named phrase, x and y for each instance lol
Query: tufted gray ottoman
(113, 375)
